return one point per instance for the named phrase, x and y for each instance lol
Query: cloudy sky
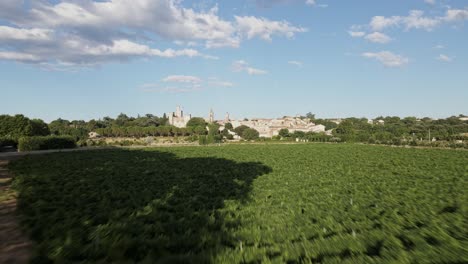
(83, 59)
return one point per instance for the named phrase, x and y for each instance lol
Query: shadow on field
(131, 205)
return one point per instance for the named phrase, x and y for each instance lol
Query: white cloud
(34, 34)
(444, 58)
(183, 84)
(18, 56)
(88, 32)
(387, 58)
(439, 46)
(243, 66)
(250, 27)
(297, 63)
(456, 15)
(218, 83)
(357, 34)
(431, 2)
(417, 20)
(154, 87)
(378, 23)
(270, 3)
(378, 37)
(182, 79)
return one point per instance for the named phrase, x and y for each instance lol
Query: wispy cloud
(297, 63)
(356, 34)
(387, 58)
(417, 20)
(182, 79)
(215, 82)
(183, 84)
(444, 58)
(243, 66)
(378, 37)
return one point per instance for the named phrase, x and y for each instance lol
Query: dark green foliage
(15, 126)
(283, 132)
(196, 122)
(327, 123)
(43, 143)
(240, 129)
(77, 129)
(228, 126)
(39, 128)
(398, 131)
(250, 134)
(8, 141)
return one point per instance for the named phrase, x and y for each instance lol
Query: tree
(310, 116)
(250, 134)
(122, 120)
(213, 129)
(284, 132)
(240, 129)
(15, 126)
(298, 134)
(199, 130)
(196, 121)
(58, 127)
(39, 128)
(229, 126)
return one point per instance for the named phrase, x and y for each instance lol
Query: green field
(311, 203)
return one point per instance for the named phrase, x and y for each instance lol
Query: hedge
(8, 141)
(43, 143)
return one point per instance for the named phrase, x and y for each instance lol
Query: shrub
(209, 139)
(8, 141)
(250, 134)
(43, 143)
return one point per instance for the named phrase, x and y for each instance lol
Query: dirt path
(15, 247)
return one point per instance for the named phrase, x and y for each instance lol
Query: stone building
(177, 118)
(271, 127)
(210, 119)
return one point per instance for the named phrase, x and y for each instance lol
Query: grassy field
(316, 203)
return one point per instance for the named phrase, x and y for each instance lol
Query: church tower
(179, 112)
(211, 119)
(226, 118)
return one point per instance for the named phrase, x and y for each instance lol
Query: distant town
(267, 127)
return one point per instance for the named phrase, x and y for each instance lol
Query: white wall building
(177, 118)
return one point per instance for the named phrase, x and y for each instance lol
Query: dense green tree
(310, 116)
(39, 128)
(196, 121)
(283, 132)
(199, 130)
(250, 134)
(15, 127)
(298, 134)
(229, 126)
(240, 129)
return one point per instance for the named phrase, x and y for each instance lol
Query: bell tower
(211, 118)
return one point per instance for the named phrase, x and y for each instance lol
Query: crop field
(309, 203)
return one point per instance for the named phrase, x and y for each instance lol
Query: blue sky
(251, 58)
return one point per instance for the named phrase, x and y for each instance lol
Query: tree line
(385, 130)
(395, 129)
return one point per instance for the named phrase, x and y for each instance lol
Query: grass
(319, 203)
